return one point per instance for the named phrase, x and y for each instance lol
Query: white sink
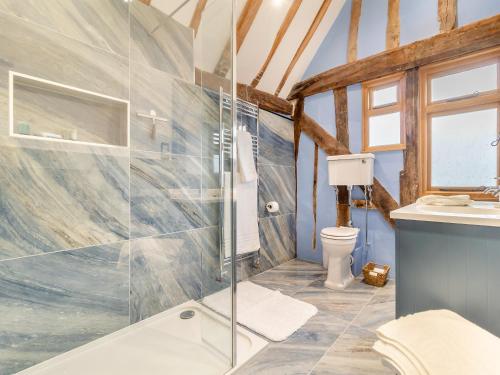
(479, 213)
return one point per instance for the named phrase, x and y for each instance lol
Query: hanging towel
(228, 201)
(442, 342)
(443, 200)
(247, 226)
(246, 164)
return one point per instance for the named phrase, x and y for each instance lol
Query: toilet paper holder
(272, 206)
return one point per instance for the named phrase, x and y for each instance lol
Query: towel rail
(223, 141)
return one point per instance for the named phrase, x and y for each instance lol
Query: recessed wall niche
(47, 110)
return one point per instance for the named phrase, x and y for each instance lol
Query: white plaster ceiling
(214, 32)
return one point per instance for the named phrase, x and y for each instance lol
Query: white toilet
(338, 244)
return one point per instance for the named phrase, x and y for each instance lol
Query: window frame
(468, 103)
(368, 87)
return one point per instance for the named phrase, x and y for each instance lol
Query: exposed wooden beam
(315, 194)
(392, 31)
(457, 42)
(307, 38)
(380, 196)
(447, 14)
(292, 11)
(196, 19)
(361, 203)
(408, 178)
(260, 98)
(352, 46)
(342, 134)
(212, 81)
(297, 115)
(245, 21)
(224, 63)
(264, 100)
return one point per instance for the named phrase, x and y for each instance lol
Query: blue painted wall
(418, 20)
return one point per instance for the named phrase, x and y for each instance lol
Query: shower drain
(187, 314)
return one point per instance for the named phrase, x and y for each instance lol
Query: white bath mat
(265, 311)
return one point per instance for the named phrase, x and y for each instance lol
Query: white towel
(443, 200)
(228, 202)
(265, 311)
(246, 163)
(247, 225)
(397, 359)
(442, 342)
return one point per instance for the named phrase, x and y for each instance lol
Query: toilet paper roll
(273, 206)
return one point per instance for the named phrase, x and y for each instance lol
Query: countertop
(479, 213)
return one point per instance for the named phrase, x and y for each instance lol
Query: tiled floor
(337, 340)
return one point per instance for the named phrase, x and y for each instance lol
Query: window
(459, 118)
(383, 116)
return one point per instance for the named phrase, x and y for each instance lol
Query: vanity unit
(449, 258)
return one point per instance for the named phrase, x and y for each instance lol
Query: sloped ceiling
(212, 37)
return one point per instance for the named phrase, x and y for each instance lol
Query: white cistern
(339, 242)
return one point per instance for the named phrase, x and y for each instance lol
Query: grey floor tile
(352, 354)
(381, 309)
(282, 359)
(345, 304)
(290, 277)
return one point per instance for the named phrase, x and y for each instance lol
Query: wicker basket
(375, 278)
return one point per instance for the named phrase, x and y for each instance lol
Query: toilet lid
(340, 232)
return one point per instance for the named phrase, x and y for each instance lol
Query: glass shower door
(112, 192)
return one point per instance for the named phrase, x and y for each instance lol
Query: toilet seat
(339, 233)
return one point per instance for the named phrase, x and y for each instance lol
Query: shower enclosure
(113, 206)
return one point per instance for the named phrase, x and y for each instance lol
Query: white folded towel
(396, 358)
(445, 200)
(247, 224)
(246, 163)
(440, 342)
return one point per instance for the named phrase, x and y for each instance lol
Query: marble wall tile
(165, 194)
(276, 183)
(159, 41)
(276, 144)
(176, 100)
(100, 23)
(171, 269)
(27, 48)
(103, 122)
(54, 200)
(55, 302)
(277, 240)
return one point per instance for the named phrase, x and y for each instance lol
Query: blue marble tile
(276, 144)
(159, 41)
(277, 240)
(55, 302)
(50, 55)
(177, 101)
(211, 193)
(276, 183)
(165, 194)
(100, 23)
(171, 269)
(53, 200)
(248, 119)
(207, 239)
